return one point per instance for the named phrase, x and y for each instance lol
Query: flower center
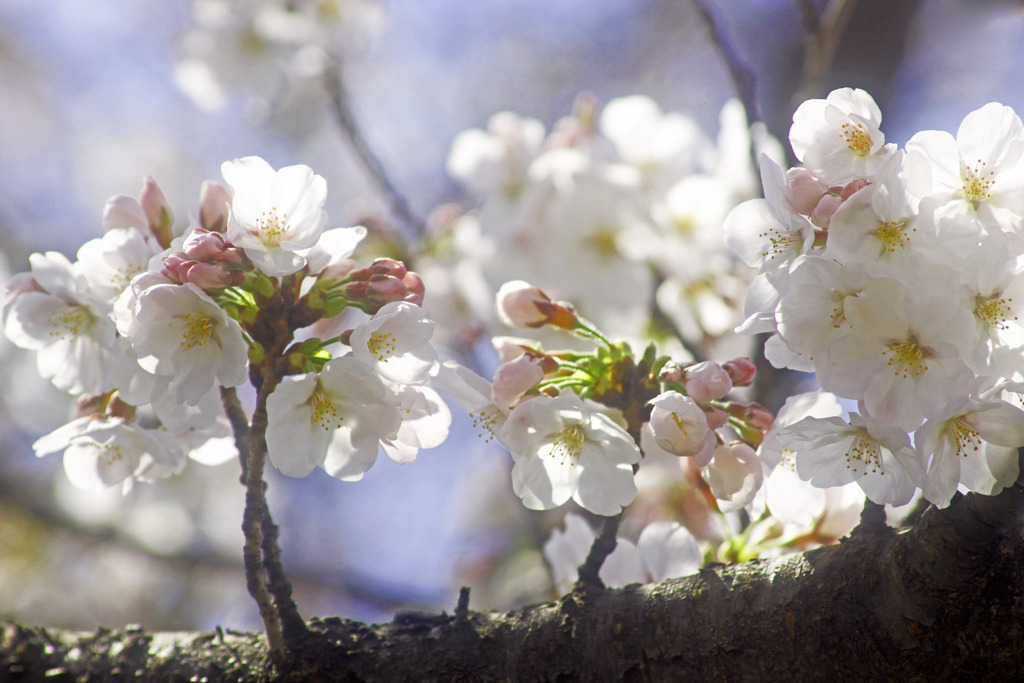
(966, 437)
(198, 330)
(906, 358)
(893, 235)
(70, 321)
(381, 345)
(780, 243)
(994, 312)
(488, 421)
(109, 453)
(680, 423)
(865, 455)
(272, 227)
(977, 183)
(568, 444)
(857, 139)
(325, 410)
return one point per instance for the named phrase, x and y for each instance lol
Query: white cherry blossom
(838, 138)
(567, 447)
(395, 342)
(334, 420)
(99, 453)
(831, 452)
(56, 316)
(274, 214)
(976, 449)
(664, 550)
(678, 427)
(179, 332)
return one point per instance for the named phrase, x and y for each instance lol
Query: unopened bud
(803, 190)
(852, 187)
(822, 214)
(520, 304)
(707, 381)
(415, 289)
(214, 200)
(741, 371)
(158, 213)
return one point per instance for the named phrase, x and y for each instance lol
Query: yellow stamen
(325, 410)
(381, 345)
(906, 358)
(857, 139)
(568, 444)
(198, 330)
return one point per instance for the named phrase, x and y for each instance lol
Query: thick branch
(941, 601)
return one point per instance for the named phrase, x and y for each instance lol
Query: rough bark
(941, 601)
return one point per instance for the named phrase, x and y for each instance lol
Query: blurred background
(95, 96)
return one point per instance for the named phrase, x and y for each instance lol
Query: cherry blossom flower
(334, 420)
(109, 263)
(274, 214)
(831, 452)
(395, 342)
(99, 453)
(976, 448)
(838, 138)
(734, 474)
(567, 447)
(178, 331)
(903, 358)
(425, 419)
(707, 381)
(664, 550)
(976, 179)
(58, 317)
(678, 427)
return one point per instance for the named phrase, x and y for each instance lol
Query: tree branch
(942, 600)
(342, 108)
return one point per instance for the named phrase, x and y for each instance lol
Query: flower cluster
(896, 276)
(636, 197)
(149, 329)
(577, 423)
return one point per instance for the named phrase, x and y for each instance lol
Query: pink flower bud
(515, 378)
(338, 270)
(707, 381)
(518, 304)
(741, 371)
(672, 372)
(852, 188)
(123, 212)
(388, 266)
(822, 214)
(212, 276)
(415, 288)
(158, 213)
(214, 200)
(203, 245)
(385, 287)
(510, 348)
(803, 190)
(716, 417)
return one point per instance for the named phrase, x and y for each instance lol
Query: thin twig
(252, 551)
(603, 546)
(821, 45)
(287, 617)
(342, 107)
(742, 76)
